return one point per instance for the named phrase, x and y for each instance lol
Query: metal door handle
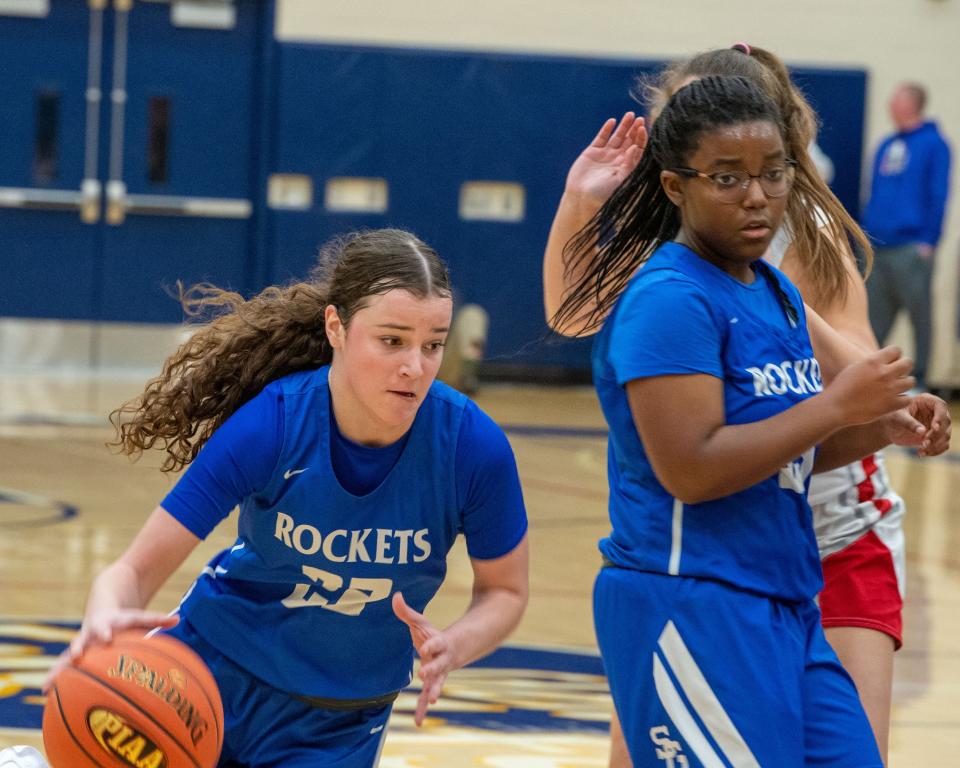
(41, 199)
(176, 205)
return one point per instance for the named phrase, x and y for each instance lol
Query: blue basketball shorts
(268, 728)
(703, 674)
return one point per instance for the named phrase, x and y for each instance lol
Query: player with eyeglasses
(719, 412)
(857, 514)
(731, 185)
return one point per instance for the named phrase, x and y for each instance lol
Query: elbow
(686, 492)
(552, 300)
(696, 496)
(550, 314)
(517, 595)
(551, 318)
(570, 329)
(521, 597)
(692, 490)
(564, 330)
(511, 603)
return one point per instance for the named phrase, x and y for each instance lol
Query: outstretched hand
(100, 630)
(436, 654)
(924, 424)
(612, 155)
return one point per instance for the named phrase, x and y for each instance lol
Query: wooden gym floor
(68, 507)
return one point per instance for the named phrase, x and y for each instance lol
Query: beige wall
(892, 39)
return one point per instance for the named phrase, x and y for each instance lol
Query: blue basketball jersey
(682, 315)
(302, 600)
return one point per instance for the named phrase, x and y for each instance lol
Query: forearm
(133, 579)
(832, 350)
(115, 588)
(493, 614)
(850, 444)
(573, 213)
(737, 456)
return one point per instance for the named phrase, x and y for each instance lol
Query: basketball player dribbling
(317, 412)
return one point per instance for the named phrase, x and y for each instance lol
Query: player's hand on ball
(99, 630)
(436, 655)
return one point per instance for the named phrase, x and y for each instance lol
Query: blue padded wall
(839, 96)
(428, 121)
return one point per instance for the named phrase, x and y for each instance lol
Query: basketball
(143, 702)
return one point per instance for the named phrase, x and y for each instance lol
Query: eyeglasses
(732, 186)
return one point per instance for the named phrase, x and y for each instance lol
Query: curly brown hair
(820, 226)
(244, 344)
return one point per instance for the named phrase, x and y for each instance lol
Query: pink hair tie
(742, 47)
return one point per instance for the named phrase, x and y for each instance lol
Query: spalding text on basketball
(168, 688)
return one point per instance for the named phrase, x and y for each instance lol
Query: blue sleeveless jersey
(303, 599)
(682, 315)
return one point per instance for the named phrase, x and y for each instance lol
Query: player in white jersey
(853, 501)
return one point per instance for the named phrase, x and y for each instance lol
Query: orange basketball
(140, 702)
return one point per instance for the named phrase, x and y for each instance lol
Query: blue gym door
(128, 159)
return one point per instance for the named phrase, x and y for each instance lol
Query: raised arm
(594, 175)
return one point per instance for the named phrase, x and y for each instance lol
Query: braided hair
(639, 216)
(822, 231)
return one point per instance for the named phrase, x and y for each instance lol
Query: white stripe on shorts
(704, 700)
(682, 718)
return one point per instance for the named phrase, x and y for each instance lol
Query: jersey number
(358, 593)
(794, 475)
